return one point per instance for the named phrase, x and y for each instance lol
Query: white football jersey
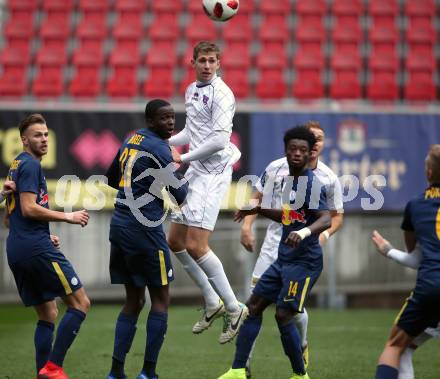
(271, 182)
(210, 107)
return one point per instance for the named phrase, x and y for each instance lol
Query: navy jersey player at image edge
(41, 271)
(421, 310)
(139, 255)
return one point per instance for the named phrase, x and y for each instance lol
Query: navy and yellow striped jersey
(422, 215)
(142, 167)
(27, 237)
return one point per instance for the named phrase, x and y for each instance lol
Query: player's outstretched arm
(179, 139)
(215, 142)
(30, 209)
(322, 223)
(408, 259)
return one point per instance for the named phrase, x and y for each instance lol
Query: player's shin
(406, 370)
(157, 324)
(199, 277)
(66, 334)
(124, 334)
(213, 269)
(245, 340)
(43, 342)
(292, 346)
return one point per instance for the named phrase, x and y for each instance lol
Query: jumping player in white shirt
(210, 108)
(269, 190)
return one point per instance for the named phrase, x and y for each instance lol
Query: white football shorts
(205, 195)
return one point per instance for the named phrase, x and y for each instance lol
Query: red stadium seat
(346, 60)
(58, 10)
(124, 58)
(347, 32)
(91, 34)
(130, 6)
(15, 57)
(55, 34)
(95, 10)
(47, 56)
(421, 33)
(345, 85)
(308, 59)
(235, 59)
(383, 34)
(159, 57)
(85, 83)
(271, 85)
(187, 78)
(384, 60)
(383, 86)
(420, 8)
(247, 7)
(238, 29)
(281, 7)
(420, 87)
(18, 29)
(310, 37)
(48, 82)
(123, 82)
(83, 57)
(170, 6)
(311, 7)
(347, 7)
(237, 80)
(200, 28)
(160, 83)
(271, 33)
(164, 28)
(13, 83)
(127, 35)
(418, 62)
(22, 9)
(383, 8)
(308, 84)
(271, 59)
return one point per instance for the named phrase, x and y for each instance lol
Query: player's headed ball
(221, 10)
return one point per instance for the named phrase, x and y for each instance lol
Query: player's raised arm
(30, 209)
(181, 138)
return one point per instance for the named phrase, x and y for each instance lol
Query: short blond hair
(433, 162)
(206, 47)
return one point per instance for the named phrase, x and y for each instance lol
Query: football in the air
(221, 10)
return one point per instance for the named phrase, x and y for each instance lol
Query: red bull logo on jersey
(291, 216)
(44, 198)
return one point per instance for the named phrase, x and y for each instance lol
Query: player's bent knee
(175, 245)
(283, 317)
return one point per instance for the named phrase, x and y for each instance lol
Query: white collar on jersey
(203, 84)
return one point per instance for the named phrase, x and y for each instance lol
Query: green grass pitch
(343, 345)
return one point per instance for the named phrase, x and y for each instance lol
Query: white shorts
(205, 195)
(268, 255)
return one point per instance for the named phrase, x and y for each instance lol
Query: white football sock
(301, 321)
(213, 269)
(406, 370)
(199, 277)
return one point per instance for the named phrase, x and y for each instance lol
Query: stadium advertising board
(372, 152)
(83, 144)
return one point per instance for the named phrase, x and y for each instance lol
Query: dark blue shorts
(421, 310)
(287, 285)
(139, 257)
(44, 277)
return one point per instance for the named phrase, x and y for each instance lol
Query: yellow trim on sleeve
(163, 269)
(62, 277)
(303, 293)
